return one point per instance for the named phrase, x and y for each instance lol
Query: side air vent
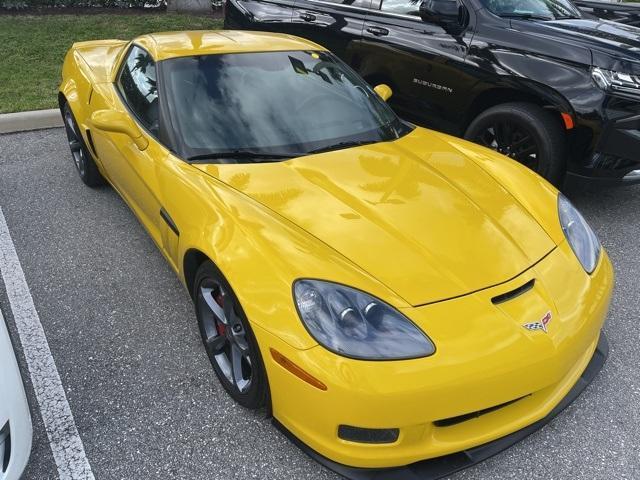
(505, 297)
(91, 145)
(5, 447)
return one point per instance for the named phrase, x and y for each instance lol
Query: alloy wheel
(74, 142)
(512, 141)
(224, 335)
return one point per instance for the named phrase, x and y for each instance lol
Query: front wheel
(526, 133)
(228, 339)
(86, 166)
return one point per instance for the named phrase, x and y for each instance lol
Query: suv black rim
(224, 335)
(513, 141)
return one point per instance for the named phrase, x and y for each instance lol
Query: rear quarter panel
(85, 65)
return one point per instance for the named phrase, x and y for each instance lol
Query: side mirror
(119, 122)
(384, 91)
(445, 13)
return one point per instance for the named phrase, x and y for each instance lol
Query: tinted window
(543, 9)
(404, 7)
(351, 3)
(272, 102)
(137, 84)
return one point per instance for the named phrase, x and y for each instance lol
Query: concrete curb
(33, 120)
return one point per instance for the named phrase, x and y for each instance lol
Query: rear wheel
(86, 166)
(228, 339)
(526, 133)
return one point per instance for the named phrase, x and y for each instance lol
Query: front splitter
(439, 467)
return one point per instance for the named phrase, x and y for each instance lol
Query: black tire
(220, 338)
(525, 132)
(81, 155)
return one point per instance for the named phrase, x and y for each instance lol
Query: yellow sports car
(404, 302)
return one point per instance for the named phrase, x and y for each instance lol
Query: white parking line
(66, 445)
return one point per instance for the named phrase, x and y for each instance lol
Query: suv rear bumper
(439, 467)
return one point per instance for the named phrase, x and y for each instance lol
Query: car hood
(415, 213)
(608, 41)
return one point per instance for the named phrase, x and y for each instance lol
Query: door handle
(378, 31)
(308, 17)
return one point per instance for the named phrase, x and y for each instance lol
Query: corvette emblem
(541, 325)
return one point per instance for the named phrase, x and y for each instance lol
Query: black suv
(538, 80)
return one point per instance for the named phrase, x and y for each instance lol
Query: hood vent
(505, 297)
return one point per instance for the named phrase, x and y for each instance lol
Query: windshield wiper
(341, 145)
(525, 16)
(239, 155)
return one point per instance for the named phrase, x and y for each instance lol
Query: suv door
(423, 62)
(266, 15)
(334, 24)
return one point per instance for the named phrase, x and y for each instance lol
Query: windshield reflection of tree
(273, 102)
(331, 67)
(142, 63)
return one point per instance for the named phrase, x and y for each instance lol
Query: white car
(15, 420)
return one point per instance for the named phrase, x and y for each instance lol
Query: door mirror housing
(384, 91)
(446, 13)
(119, 122)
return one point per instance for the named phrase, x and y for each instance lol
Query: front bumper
(439, 467)
(613, 158)
(446, 403)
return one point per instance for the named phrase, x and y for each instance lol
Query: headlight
(582, 239)
(355, 324)
(616, 81)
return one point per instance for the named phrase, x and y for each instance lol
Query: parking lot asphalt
(146, 403)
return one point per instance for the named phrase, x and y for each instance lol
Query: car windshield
(268, 106)
(533, 9)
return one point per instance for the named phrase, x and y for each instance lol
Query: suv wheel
(526, 133)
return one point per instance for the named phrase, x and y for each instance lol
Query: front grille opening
(5, 447)
(448, 422)
(505, 297)
(368, 435)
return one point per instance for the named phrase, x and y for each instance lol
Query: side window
(137, 83)
(352, 3)
(403, 7)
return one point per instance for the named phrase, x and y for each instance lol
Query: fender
(553, 82)
(513, 89)
(260, 253)
(76, 88)
(87, 64)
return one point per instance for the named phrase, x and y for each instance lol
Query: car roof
(166, 45)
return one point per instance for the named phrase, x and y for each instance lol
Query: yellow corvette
(404, 302)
